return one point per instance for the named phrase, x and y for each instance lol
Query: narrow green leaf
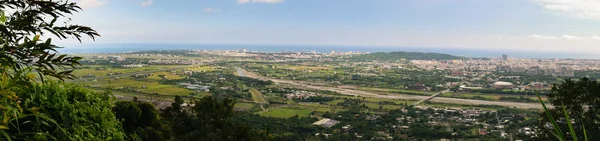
(2, 17)
(6, 136)
(36, 38)
(571, 129)
(557, 130)
(584, 133)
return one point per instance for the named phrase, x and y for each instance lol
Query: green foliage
(209, 119)
(293, 128)
(140, 120)
(394, 56)
(516, 99)
(576, 102)
(66, 112)
(21, 46)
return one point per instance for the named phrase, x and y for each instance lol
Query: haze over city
(544, 26)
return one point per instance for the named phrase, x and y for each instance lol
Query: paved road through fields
(353, 92)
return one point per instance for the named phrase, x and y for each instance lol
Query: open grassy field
(202, 68)
(464, 95)
(129, 95)
(257, 96)
(244, 106)
(150, 86)
(445, 105)
(399, 91)
(305, 67)
(168, 75)
(286, 113)
(334, 102)
(491, 97)
(385, 107)
(470, 95)
(376, 100)
(92, 70)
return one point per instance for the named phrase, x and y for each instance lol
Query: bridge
(431, 97)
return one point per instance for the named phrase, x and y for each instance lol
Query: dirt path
(352, 92)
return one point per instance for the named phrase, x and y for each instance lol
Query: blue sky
(533, 25)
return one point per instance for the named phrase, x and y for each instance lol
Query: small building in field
(503, 85)
(325, 122)
(418, 87)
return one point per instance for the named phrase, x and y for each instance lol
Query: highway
(433, 98)
(240, 72)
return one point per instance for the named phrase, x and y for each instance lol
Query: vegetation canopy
(23, 24)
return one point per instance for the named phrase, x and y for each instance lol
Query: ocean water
(121, 48)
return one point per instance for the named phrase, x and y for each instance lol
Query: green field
(385, 107)
(167, 75)
(286, 113)
(334, 102)
(201, 68)
(257, 96)
(150, 86)
(398, 91)
(244, 106)
(107, 70)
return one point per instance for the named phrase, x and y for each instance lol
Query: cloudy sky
(544, 25)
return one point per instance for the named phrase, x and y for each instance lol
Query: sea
(132, 47)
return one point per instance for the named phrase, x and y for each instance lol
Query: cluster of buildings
(482, 122)
(178, 61)
(154, 55)
(326, 122)
(470, 117)
(279, 56)
(299, 95)
(134, 65)
(548, 67)
(196, 87)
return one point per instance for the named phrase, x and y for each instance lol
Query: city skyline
(528, 25)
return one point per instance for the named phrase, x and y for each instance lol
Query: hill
(392, 56)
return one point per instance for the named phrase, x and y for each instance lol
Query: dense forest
(394, 56)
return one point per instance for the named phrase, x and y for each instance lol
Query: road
(346, 91)
(240, 72)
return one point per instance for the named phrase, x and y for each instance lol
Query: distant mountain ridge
(392, 56)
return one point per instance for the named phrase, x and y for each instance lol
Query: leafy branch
(21, 46)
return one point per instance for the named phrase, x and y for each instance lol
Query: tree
(581, 99)
(21, 31)
(63, 112)
(210, 119)
(46, 111)
(140, 120)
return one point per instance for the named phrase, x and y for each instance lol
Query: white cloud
(244, 1)
(210, 10)
(260, 1)
(549, 37)
(91, 3)
(589, 9)
(542, 37)
(147, 3)
(571, 37)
